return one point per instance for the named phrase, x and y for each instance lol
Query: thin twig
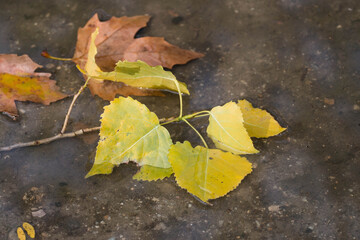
(50, 139)
(73, 134)
(72, 105)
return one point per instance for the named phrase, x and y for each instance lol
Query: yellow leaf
(150, 173)
(207, 173)
(21, 234)
(91, 67)
(135, 74)
(259, 123)
(227, 131)
(130, 132)
(29, 229)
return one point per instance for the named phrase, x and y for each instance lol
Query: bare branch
(50, 139)
(73, 134)
(72, 105)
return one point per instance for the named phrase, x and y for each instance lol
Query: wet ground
(299, 59)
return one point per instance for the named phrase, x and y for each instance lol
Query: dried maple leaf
(18, 81)
(156, 51)
(116, 42)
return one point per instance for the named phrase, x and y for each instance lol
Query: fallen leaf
(116, 38)
(259, 123)
(227, 130)
(156, 51)
(130, 132)
(136, 74)
(18, 81)
(150, 173)
(115, 35)
(207, 173)
(20, 233)
(18, 65)
(29, 229)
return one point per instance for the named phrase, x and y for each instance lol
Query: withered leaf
(156, 51)
(18, 81)
(114, 37)
(116, 42)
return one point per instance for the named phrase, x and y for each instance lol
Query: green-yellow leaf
(207, 173)
(29, 229)
(130, 132)
(150, 173)
(259, 123)
(227, 130)
(135, 74)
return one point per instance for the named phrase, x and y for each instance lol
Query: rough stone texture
(299, 59)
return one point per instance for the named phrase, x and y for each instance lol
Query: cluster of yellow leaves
(130, 132)
(29, 230)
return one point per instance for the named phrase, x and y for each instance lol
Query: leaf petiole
(47, 55)
(171, 121)
(197, 114)
(197, 132)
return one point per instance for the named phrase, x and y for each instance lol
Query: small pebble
(274, 208)
(40, 213)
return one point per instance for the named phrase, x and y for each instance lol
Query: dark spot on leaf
(58, 204)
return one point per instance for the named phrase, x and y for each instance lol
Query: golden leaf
(259, 123)
(227, 130)
(207, 173)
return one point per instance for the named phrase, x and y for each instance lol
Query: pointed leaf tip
(259, 123)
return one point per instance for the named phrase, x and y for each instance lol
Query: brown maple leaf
(116, 42)
(156, 51)
(18, 81)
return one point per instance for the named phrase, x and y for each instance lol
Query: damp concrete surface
(298, 59)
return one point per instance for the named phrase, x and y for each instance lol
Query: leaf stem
(170, 120)
(72, 105)
(197, 132)
(180, 98)
(47, 55)
(201, 115)
(197, 114)
(50, 139)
